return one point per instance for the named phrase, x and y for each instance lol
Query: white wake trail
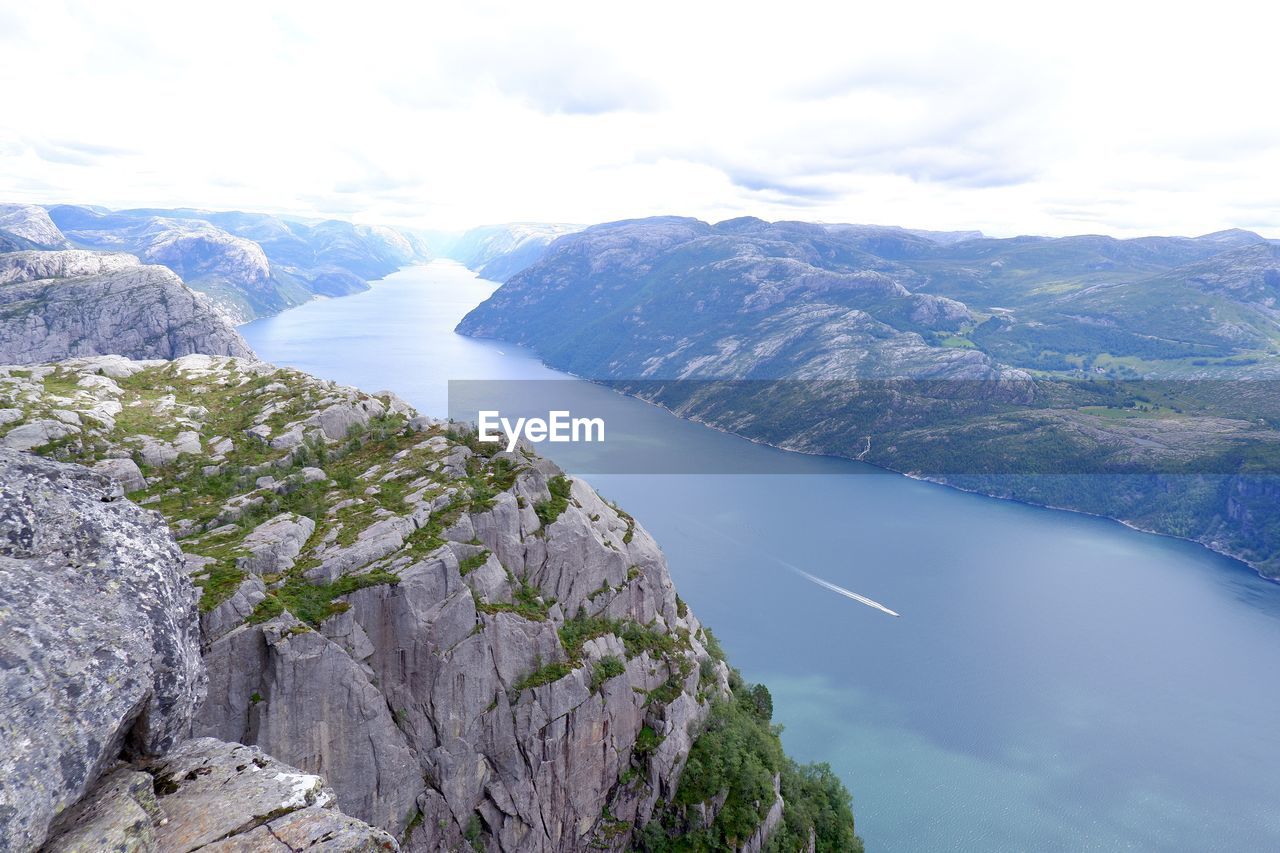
(825, 584)
(836, 588)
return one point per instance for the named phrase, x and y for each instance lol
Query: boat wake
(836, 588)
(814, 579)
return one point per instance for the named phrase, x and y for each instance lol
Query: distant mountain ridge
(249, 264)
(498, 252)
(1067, 304)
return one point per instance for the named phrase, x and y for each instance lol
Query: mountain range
(1008, 366)
(249, 264)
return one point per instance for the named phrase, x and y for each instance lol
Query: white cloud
(1011, 117)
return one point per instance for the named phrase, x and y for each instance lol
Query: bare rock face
(30, 226)
(213, 796)
(99, 645)
(18, 267)
(56, 305)
(222, 796)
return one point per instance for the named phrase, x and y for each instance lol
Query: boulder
(123, 471)
(98, 636)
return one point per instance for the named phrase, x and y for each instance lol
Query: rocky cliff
(473, 648)
(100, 677)
(78, 303)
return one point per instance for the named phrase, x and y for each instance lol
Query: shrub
(543, 675)
(470, 564)
(604, 669)
(549, 510)
(737, 754)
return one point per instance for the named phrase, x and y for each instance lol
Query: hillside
(1009, 366)
(249, 264)
(498, 252)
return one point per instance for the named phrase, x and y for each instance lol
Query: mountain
(249, 264)
(498, 252)
(1021, 367)
(59, 304)
(477, 651)
(25, 226)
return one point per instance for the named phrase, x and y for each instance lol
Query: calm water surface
(1056, 682)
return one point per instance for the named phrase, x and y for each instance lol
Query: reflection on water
(1056, 682)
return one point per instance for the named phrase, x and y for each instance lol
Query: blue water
(1056, 682)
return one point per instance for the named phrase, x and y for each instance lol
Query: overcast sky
(1117, 117)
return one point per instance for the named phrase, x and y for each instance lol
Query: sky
(1120, 118)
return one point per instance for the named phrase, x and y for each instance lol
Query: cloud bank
(1013, 118)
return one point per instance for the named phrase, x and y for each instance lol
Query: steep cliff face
(75, 303)
(471, 647)
(101, 677)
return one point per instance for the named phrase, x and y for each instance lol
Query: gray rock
(188, 441)
(275, 543)
(119, 815)
(98, 633)
(226, 796)
(232, 612)
(288, 439)
(136, 311)
(404, 693)
(156, 453)
(18, 267)
(315, 706)
(32, 225)
(35, 434)
(123, 471)
(339, 419)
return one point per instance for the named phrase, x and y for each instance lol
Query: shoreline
(1213, 548)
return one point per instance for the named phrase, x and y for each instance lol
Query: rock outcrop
(100, 644)
(472, 648)
(72, 303)
(100, 677)
(26, 226)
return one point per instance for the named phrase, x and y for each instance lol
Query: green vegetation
(468, 565)
(737, 754)
(527, 601)
(313, 603)
(219, 584)
(61, 383)
(605, 668)
(474, 833)
(549, 510)
(647, 741)
(543, 675)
